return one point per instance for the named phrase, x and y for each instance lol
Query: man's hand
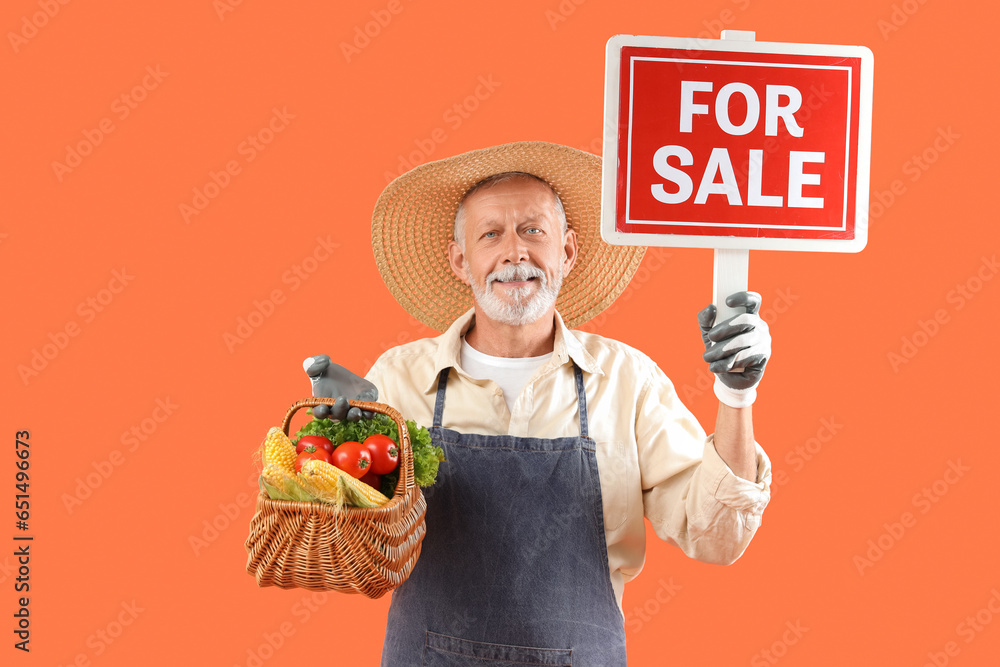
(743, 342)
(332, 380)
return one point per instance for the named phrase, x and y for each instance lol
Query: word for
(59, 341)
(924, 501)
(720, 163)
(958, 296)
(38, 20)
(454, 116)
(249, 148)
(123, 105)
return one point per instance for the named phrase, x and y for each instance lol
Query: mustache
(515, 272)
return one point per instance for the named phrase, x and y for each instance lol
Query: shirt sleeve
(375, 376)
(690, 496)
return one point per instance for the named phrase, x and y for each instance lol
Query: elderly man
(558, 442)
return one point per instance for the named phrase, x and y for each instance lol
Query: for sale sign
(736, 144)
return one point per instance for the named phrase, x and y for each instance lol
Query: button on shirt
(653, 457)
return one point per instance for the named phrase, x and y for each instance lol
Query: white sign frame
(612, 83)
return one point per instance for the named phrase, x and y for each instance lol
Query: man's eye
(534, 230)
(489, 235)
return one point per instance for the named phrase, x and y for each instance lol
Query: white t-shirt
(510, 373)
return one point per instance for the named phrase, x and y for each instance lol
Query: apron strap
(581, 398)
(439, 401)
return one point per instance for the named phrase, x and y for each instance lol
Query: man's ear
(570, 251)
(457, 260)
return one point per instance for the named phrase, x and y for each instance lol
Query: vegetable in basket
(331, 484)
(384, 453)
(426, 456)
(310, 476)
(353, 458)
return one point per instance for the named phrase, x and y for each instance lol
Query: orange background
(835, 319)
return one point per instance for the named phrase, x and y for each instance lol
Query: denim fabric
(514, 567)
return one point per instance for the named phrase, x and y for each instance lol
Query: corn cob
(283, 485)
(273, 475)
(279, 451)
(331, 484)
(273, 482)
(330, 491)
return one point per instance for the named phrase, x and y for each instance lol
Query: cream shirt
(653, 457)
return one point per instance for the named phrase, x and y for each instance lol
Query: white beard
(524, 307)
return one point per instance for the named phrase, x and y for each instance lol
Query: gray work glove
(332, 380)
(742, 341)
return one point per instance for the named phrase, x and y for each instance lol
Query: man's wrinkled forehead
(495, 180)
(527, 200)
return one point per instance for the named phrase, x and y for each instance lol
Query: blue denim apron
(514, 566)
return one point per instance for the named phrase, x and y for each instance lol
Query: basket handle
(406, 480)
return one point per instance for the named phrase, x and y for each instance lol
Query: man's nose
(515, 250)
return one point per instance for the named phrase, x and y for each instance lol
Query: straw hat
(414, 220)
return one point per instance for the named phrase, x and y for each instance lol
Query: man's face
(515, 253)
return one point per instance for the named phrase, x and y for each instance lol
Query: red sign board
(736, 144)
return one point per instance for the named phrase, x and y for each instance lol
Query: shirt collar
(565, 347)
(449, 348)
(568, 346)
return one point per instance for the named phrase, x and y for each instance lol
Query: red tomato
(385, 453)
(372, 480)
(317, 441)
(311, 452)
(353, 458)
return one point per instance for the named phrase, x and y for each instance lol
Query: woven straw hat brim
(414, 220)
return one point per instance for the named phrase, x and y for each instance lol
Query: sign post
(730, 266)
(735, 144)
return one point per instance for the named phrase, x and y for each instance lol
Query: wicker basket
(315, 546)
